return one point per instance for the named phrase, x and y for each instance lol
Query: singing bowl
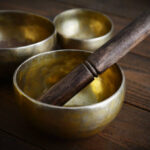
(22, 35)
(83, 29)
(86, 113)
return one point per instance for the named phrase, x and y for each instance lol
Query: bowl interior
(39, 73)
(20, 29)
(82, 24)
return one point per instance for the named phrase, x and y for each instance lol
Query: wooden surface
(130, 130)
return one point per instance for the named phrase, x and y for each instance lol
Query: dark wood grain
(130, 130)
(131, 134)
(99, 61)
(124, 8)
(9, 142)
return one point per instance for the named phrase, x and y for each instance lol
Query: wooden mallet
(99, 61)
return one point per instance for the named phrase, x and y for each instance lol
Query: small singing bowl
(83, 29)
(22, 35)
(87, 113)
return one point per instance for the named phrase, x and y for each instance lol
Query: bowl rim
(89, 39)
(32, 14)
(104, 102)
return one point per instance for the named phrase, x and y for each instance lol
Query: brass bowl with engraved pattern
(87, 113)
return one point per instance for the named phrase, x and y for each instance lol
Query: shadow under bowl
(87, 113)
(83, 29)
(22, 35)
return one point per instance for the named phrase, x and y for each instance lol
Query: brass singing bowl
(83, 29)
(86, 113)
(22, 35)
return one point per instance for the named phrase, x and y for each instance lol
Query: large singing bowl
(22, 35)
(86, 113)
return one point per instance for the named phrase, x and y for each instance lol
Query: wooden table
(130, 130)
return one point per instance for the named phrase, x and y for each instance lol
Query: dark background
(131, 129)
